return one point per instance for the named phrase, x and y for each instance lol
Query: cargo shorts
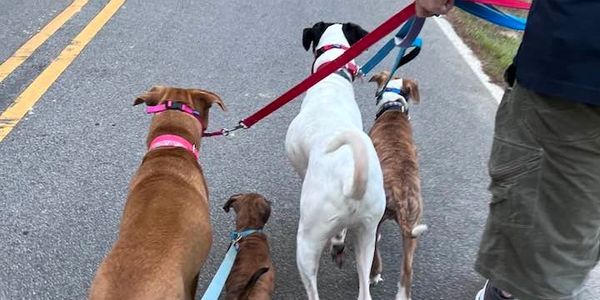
(542, 235)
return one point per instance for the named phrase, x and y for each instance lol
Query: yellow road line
(37, 40)
(24, 102)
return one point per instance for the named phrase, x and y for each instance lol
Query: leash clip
(230, 132)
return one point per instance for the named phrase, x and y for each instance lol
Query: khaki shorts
(542, 235)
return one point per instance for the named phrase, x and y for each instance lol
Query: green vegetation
(494, 45)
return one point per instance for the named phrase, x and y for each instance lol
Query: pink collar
(171, 140)
(175, 106)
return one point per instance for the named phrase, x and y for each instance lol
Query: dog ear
(209, 98)
(267, 212)
(151, 97)
(380, 78)
(313, 34)
(229, 202)
(353, 32)
(308, 37)
(412, 88)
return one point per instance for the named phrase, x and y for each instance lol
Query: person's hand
(428, 8)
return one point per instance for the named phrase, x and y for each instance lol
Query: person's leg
(542, 236)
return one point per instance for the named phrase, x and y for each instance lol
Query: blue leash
(406, 38)
(216, 285)
(492, 14)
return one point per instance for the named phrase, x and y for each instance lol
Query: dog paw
(337, 254)
(374, 280)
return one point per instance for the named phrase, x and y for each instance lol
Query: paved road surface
(65, 169)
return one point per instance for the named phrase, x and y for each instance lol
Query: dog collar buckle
(237, 236)
(170, 104)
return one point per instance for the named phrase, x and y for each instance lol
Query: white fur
(418, 230)
(343, 187)
(376, 279)
(401, 295)
(391, 96)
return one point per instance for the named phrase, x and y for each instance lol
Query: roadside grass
(494, 45)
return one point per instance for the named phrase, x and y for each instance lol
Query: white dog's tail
(361, 164)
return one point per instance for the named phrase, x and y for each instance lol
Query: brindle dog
(392, 137)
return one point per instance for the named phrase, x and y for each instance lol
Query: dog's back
(392, 138)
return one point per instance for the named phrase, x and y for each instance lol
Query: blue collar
(236, 236)
(397, 91)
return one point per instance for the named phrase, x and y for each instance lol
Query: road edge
(472, 61)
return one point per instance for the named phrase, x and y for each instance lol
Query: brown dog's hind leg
(404, 286)
(338, 244)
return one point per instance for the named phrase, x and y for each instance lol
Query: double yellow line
(27, 99)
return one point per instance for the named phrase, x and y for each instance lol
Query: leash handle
(356, 49)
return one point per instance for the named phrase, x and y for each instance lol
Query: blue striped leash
(406, 38)
(491, 14)
(216, 285)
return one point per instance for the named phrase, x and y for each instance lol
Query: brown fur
(165, 233)
(392, 137)
(252, 276)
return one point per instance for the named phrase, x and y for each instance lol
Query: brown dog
(165, 232)
(252, 276)
(392, 137)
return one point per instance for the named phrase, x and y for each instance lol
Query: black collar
(392, 105)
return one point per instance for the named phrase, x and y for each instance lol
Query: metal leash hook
(230, 132)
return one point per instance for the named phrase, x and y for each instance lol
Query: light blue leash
(216, 285)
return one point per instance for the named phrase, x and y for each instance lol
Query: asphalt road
(65, 169)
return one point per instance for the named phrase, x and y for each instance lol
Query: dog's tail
(408, 213)
(357, 189)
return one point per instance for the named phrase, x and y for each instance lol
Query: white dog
(342, 179)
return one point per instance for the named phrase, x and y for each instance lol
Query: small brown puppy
(392, 137)
(252, 276)
(165, 233)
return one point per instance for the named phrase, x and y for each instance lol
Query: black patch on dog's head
(312, 35)
(353, 32)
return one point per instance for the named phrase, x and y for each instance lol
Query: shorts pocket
(515, 174)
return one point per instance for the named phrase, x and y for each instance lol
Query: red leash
(354, 51)
(370, 39)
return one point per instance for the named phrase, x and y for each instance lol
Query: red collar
(326, 48)
(351, 67)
